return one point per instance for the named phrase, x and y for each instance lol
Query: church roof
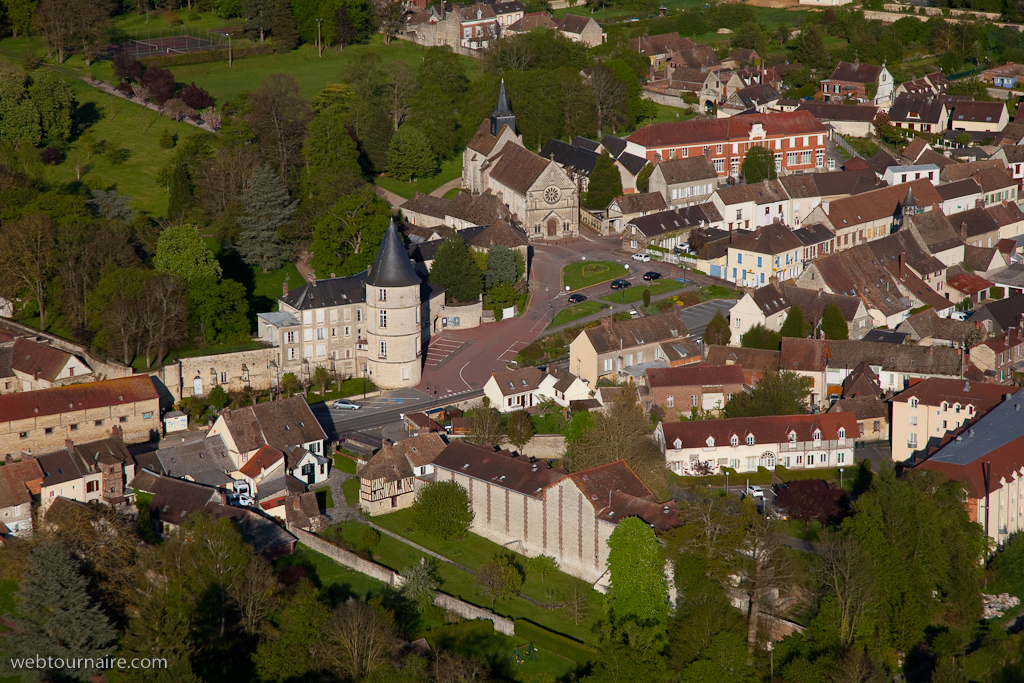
(392, 267)
(502, 109)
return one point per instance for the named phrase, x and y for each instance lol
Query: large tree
(361, 640)
(410, 155)
(218, 311)
(758, 165)
(605, 183)
(833, 323)
(27, 260)
(783, 393)
(298, 643)
(268, 207)
(760, 337)
(279, 118)
(795, 324)
(519, 429)
(812, 52)
(636, 565)
(500, 578)
(286, 36)
(180, 250)
(434, 108)
(455, 270)
(442, 509)
(717, 331)
(501, 266)
(348, 234)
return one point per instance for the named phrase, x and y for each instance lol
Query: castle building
(373, 324)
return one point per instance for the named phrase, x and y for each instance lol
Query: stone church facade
(541, 196)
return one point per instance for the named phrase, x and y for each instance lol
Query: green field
(574, 312)
(637, 293)
(324, 499)
(586, 273)
(351, 489)
(340, 583)
(450, 170)
(8, 603)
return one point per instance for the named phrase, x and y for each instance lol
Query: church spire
(392, 267)
(502, 114)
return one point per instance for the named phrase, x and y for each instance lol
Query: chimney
(606, 322)
(284, 287)
(69, 444)
(903, 266)
(963, 230)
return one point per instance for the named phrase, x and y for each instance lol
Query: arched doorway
(197, 386)
(552, 227)
(768, 460)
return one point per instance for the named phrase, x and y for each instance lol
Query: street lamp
(727, 482)
(229, 49)
(771, 656)
(840, 477)
(319, 40)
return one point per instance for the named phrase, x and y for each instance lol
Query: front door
(309, 472)
(552, 227)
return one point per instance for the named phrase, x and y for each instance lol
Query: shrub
(177, 110)
(127, 68)
(171, 18)
(118, 155)
(51, 156)
(442, 509)
(196, 97)
(125, 88)
(160, 83)
(166, 140)
(211, 117)
(218, 397)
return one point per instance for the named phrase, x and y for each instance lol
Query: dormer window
(956, 408)
(945, 406)
(734, 441)
(750, 439)
(677, 444)
(792, 437)
(842, 434)
(817, 435)
(913, 402)
(710, 442)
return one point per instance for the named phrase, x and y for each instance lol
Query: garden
(587, 273)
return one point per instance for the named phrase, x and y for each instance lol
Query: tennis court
(183, 42)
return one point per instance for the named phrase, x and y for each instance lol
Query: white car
(755, 491)
(643, 258)
(345, 404)
(241, 487)
(241, 500)
(960, 315)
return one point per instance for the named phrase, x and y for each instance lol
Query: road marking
(513, 350)
(439, 351)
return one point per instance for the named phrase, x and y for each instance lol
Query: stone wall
(670, 100)
(469, 316)
(376, 571)
(252, 368)
(892, 17)
(937, 12)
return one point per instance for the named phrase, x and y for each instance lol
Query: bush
(442, 509)
(118, 155)
(51, 156)
(166, 140)
(218, 398)
(196, 97)
(171, 18)
(125, 88)
(159, 83)
(126, 68)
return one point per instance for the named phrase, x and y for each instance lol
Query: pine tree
(833, 324)
(181, 193)
(760, 337)
(501, 266)
(605, 183)
(286, 36)
(455, 270)
(643, 179)
(795, 325)
(166, 140)
(717, 331)
(62, 620)
(267, 209)
(410, 155)
(812, 52)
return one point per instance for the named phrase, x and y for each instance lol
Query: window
(719, 165)
(758, 261)
(810, 459)
(670, 402)
(607, 364)
(321, 333)
(841, 458)
(805, 157)
(293, 353)
(913, 419)
(842, 434)
(672, 154)
(359, 315)
(913, 402)
(98, 423)
(750, 439)
(912, 439)
(405, 373)
(383, 318)
(22, 435)
(48, 430)
(878, 425)
(289, 337)
(383, 349)
(737, 322)
(734, 441)
(739, 257)
(382, 294)
(718, 149)
(73, 427)
(792, 158)
(799, 460)
(122, 419)
(146, 416)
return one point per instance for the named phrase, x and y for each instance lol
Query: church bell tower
(502, 114)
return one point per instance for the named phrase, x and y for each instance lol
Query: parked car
(345, 404)
(652, 275)
(621, 284)
(643, 258)
(756, 492)
(960, 315)
(577, 299)
(241, 500)
(633, 313)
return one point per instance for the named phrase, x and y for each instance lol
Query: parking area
(440, 349)
(697, 317)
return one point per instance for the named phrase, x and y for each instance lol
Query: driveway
(697, 317)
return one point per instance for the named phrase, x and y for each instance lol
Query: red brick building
(797, 139)
(679, 390)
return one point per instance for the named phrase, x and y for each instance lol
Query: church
(374, 324)
(542, 197)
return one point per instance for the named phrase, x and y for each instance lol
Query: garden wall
(243, 368)
(392, 578)
(669, 100)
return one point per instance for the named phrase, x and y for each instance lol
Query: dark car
(577, 299)
(621, 284)
(651, 275)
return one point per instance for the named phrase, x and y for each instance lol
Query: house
(895, 175)
(581, 29)
(670, 229)
(386, 482)
(997, 186)
(527, 387)
(1009, 216)
(745, 444)
(814, 302)
(540, 510)
(925, 114)
(796, 138)
(530, 21)
(862, 82)
(20, 482)
(86, 472)
(36, 421)
(1003, 76)
(930, 84)
(754, 362)
(817, 240)
(846, 119)
(861, 395)
(1012, 156)
(267, 463)
(999, 356)
(986, 459)
(205, 461)
(658, 49)
(926, 328)
(420, 451)
(41, 366)
(711, 257)
(1000, 315)
(302, 510)
(771, 251)
(961, 285)
(979, 117)
(765, 306)
(759, 97)
(480, 239)
(808, 190)
(750, 206)
(684, 182)
(935, 233)
(174, 500)
(959, 196)
(626, 207)
(677, 391)
(285, 424)
(613, 347)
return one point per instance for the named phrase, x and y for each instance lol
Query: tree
(433, 109)
(19, 118)
(636, 564)
(783, 393)
(267, 208)
(286, 36)
(57, 20)
(948, 671)
(180, 250)
(19, 15)
(697, 239)
(279, 117)
(298, 645)
(321, 378)
(160, 84)
(795, 325)
(643, 179)
(399, 88)
(717, 331)
(456, 271)
(646, 296)
(501, 266)
(410, 155)
(27, 259)
(219, 311)
(485, 426)
(500, 578)
(347, 236)
(576, 599)
(61, 618)
(259, 20)
(758, 165)
(180, 189)
(766, 569)
(833, 323)
(361, 640)
(218, 398)
(760, 337)
(609, 98)
(196, 97)
(520, 428)
(812, 52)
(809, 499)
(442, 509)
(55, 102)
(421, 584)
(843, 571)
(605, 183)
(963, 139)
(542, 564)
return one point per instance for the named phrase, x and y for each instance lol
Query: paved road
(697, 317)
(447, 187)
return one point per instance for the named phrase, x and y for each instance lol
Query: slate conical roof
(909, 199)
(392, 267)
(502, 109)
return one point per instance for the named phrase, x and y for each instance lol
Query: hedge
(561, 645)
(828, 474)
(461, 633)
(760, 478)
(220, 55)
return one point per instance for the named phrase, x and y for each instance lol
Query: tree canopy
(605, 183)
(795, 324)
(833, 323)
(180, 250)
(758, 165)
(456, 271)
(760, 337)
(717, 331)
(783, 393)
(442, 509)
(636, 565)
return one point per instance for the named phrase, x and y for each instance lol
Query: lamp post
(727, 482)
(840, 477)
(771, 656)
(229, 49)
(319, 40)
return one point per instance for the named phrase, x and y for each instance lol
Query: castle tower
(502, 114)
(393, 326)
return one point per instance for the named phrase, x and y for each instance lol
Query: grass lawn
(324, 499)
(452, 193)
(810, 533)
(469, 639)
(863, 146)
(339, 582)
(351, 489)
(345, 464)
(719, 292)
(573, 312)
(8, 603)
(450, 170)
(586, 273)
(637, 293)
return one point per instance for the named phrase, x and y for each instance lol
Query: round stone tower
(393, 353)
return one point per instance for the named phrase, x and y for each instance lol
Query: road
(377, 412)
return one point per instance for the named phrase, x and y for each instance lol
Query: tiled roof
(499, 232)
(981, 258)
(698, 131)
(978, 112)
(74, 397)
(827, 111)
(759, 93)
(659, 516)
(929, 325)
(765, 192)
(282, 424)
(960, 171)
(880, 203)
(774, 238)
(420, 450)
(700, 374)
(579, 159)
(641, 202)
(501, 468)
(335, 291)
(14, 478)
(994, 179)
(960, 188)
(632, 163)
(917, 109)
(769, 299)
(813, 234)
(615, 146)
(637, 332)
(518, 168)
(302, 508)
(573, 23)
(754, 360)
(38, 360)
(766, 430)
(58, 468)
(803, 355)
(1006, 213)
(862, 407)
(482, 141)
(690, 169)
(933, 230)
(862, 382)
(813, 302)
(263, 460)
(388, 465)
(976, 221)
(914, 150)
(662, 44)
(680, 218)
(984, 473)
(856, 72)
(596, 482)
(518, 381)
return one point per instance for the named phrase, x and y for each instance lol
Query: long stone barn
(534, 509)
